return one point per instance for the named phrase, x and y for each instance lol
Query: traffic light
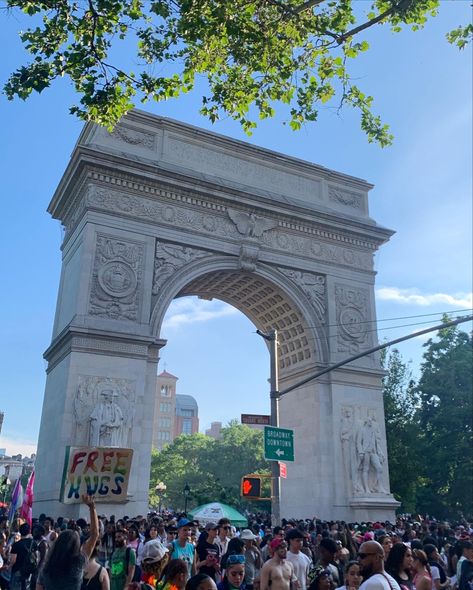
(251, 487)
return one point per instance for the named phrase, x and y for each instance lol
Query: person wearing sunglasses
(224, 535)
(371, 560)
(234, 578)
(278, 573)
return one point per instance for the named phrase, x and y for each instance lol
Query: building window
(164, 407)
(164, 435)
(164, 422)
(187, 426)
(166, 391)
(189, 413)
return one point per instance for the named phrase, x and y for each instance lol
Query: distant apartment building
(215, 430)
(175, 413)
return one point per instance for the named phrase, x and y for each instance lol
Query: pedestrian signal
(251, 487)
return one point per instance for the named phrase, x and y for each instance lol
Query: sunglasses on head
(234, 559)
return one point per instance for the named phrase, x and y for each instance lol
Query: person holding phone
(208, 552)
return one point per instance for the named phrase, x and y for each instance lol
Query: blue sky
(423, 190)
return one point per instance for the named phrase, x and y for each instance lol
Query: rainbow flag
(16, 499)
(27, 505)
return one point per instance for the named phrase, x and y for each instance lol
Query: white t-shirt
(301, 564)
(380, 582)
(434, 572)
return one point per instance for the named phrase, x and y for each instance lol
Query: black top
(205, 549)
(20, 549)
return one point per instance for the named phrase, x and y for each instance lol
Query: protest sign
(98, 471)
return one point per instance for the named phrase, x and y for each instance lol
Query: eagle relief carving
(251, 225)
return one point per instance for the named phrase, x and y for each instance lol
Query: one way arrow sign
(278, 443)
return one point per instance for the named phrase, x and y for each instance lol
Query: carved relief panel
(117, 278)
(353, 319)
(363, 452)
(103, 410)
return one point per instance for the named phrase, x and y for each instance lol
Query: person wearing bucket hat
(254, 560)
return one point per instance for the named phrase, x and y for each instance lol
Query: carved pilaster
(353, 325)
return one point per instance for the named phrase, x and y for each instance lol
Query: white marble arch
(158, 210)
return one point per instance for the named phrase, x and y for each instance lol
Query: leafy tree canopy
(212, 468)
(254, 55)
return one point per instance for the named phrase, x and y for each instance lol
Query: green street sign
(278, 444)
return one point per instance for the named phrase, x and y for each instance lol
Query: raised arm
(89, 545)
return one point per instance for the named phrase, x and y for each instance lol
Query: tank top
(185, 553)
(92, 583)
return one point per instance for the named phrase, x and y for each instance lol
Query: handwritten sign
(97, 471)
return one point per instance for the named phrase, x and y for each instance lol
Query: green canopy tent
(214, 511)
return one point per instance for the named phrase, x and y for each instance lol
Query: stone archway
(158, 210)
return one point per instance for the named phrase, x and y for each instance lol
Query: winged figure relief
(250, 224)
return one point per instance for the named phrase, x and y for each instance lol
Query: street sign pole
(274, 394)
(272, 338)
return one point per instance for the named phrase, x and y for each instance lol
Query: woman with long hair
(386, 543)
(420, 567)
(352, 576)
(95, 575)
(399, 564)
(64, 566)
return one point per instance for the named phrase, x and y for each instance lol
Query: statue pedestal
(374, 507)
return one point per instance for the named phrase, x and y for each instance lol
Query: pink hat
(368, 536)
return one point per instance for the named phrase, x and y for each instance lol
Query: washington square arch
(158, 210)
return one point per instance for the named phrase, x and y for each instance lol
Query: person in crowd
(300, 562)
(277, 573)
(327, 551)
(154, 560)
(107, 544)
(174, 576)
(352, 576)
(182, 548)
(399, 565)
(19, 559)
(135, 543)
(253, 559)
(200, 582)
(321, 579)
(40, 546)
(371, 559)
(440, 580)
(386, 543)
(208, 552)
(122, 562)
(224, 535)
(66, 558)
(236, 546)
(95, 575)
(466, 548)
(420, 567)
(234, 578)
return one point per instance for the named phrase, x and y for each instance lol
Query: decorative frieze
(134, 137)
(345, 197)
(313, 285)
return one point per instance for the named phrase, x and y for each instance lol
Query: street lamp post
(187, 491)
(160, 489)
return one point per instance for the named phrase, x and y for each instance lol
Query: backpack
(30, 563)
(137, 574)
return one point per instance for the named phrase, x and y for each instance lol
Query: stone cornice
(87, 340)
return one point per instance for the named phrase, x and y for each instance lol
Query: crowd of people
(167, 551)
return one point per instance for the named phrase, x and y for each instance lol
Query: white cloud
(16, 444)
(191, 310)
(413, 297)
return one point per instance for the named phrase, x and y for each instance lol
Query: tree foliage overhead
(252, 54)
(211, 468)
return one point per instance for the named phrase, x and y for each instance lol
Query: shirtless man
(278, 573)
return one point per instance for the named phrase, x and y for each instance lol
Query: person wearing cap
(299, 560)
(208, 552)
(182, 548)
(278, 573)
(154, 560)
(253, 558)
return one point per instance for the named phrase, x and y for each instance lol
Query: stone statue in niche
(106, 422)
(347, 438)
(370, 457)
(103, 410)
